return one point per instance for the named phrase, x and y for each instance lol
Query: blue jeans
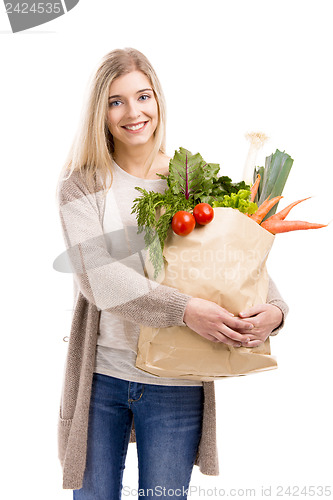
(168, 423)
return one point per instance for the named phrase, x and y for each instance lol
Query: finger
(252, 343)
(238, 324)
(231, 334)
(228, 341)
(252, 311)
(252, 337)
(211, 338)
(247, 332)
(220, 337)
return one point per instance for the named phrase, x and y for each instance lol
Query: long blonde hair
(92, 149)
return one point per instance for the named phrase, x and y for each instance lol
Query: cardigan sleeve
(111, 284)
(274, 298)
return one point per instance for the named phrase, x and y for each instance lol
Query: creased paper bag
(225, 262)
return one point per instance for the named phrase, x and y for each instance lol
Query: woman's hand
(265, 318)
(216, 323)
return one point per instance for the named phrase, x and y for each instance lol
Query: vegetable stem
(257, 140)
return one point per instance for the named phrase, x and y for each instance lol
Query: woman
(106, 400)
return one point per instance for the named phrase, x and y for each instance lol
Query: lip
(133, 125)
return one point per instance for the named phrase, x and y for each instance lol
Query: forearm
(274, 298)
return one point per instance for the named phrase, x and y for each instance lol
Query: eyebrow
(138, 92)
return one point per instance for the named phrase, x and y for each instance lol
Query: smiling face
(132, 110)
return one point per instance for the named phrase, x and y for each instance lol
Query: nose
(133, 110)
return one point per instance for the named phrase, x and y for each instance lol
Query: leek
(273, 177)
(257, 140)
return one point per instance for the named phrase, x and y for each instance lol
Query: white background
(227, 68)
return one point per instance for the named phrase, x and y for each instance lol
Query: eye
(114, 103)
(144, 97)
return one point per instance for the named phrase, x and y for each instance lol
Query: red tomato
(203, 213)
(183, 223)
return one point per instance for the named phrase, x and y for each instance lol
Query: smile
(135, 127)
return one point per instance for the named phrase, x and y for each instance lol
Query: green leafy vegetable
(240, 201)
(190, 174)
(222, 186)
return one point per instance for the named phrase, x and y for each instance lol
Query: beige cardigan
(98, 282)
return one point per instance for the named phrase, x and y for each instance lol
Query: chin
(139, 141)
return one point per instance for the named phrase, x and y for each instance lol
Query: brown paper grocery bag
(225, 262)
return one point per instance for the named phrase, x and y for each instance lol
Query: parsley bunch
(154, 216)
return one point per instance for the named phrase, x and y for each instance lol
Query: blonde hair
(92, 149)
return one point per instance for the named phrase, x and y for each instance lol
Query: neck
(132, 159)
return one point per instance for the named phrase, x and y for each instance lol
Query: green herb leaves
(240, 201)
(221, 187)
(190, 174)
(154, 215)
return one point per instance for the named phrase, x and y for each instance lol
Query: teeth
(136, 127)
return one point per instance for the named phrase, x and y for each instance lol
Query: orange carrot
(283, 213)
(254, 188)
(283, 226)
(264, 208)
